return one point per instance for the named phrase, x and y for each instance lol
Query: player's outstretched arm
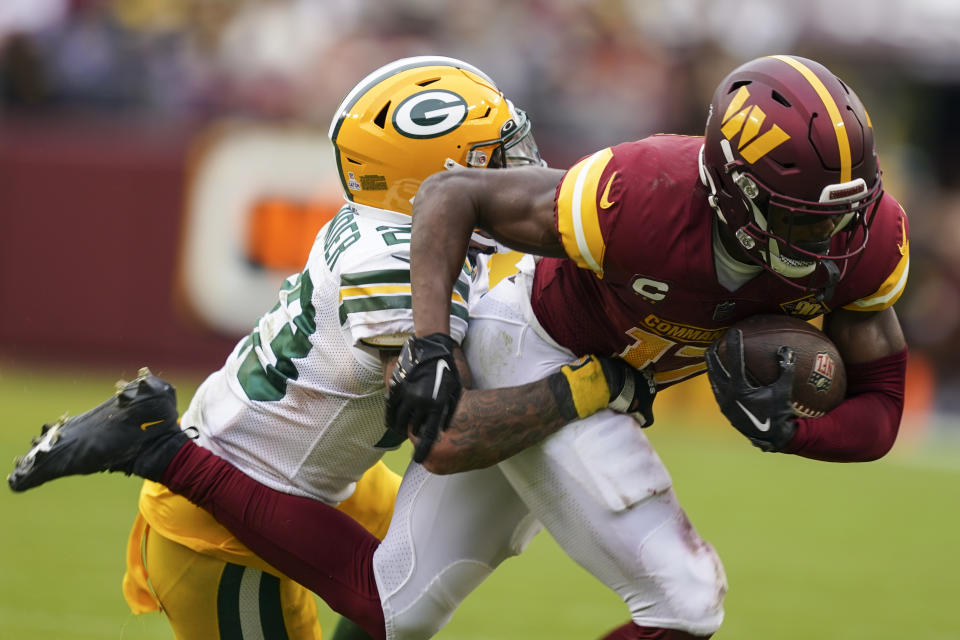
(514, 205)
(865, 425)
(490, 425)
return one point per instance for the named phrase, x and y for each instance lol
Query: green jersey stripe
(386, 303)
(463, 288)
(460, 311)
(373, 303)
(382, 276)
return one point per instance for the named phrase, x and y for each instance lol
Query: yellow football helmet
(417, 116)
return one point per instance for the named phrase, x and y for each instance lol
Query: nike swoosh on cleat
(143, 427)
(761, 426)
(441, 365)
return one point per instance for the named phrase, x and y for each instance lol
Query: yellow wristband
(588, 386)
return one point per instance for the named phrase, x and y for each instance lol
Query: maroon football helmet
(790, 163)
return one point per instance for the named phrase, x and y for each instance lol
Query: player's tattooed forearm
(493, 424)
(466, 377)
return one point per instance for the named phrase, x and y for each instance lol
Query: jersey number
(649, 347)
(266, 366)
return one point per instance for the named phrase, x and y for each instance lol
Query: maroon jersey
(640, 281)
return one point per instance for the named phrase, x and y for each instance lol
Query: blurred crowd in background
(589, 72)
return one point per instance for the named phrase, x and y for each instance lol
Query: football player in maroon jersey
(653, 248)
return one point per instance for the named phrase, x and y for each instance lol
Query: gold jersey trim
(891, 289)
(889, 292)
(577, 213)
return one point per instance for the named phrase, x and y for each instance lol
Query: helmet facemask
(794, 238)
(515, 147)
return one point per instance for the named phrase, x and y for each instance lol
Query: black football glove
(763, 414)
(424, 390)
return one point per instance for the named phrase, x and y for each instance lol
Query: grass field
(811, 550)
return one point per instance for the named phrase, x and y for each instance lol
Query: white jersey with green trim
(299, 403)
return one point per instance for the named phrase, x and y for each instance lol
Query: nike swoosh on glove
(764, 414)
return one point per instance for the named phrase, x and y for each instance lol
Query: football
(820, 383)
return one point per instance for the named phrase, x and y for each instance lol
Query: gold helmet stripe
(833, 112)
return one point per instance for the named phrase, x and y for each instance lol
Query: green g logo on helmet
(430, 114)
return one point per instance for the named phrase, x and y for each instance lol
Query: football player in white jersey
(299, 403)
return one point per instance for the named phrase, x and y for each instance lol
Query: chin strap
(825, 292)
(708, 182)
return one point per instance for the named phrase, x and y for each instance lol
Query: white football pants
(597, 485)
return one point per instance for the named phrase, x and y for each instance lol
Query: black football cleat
(135, 431)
